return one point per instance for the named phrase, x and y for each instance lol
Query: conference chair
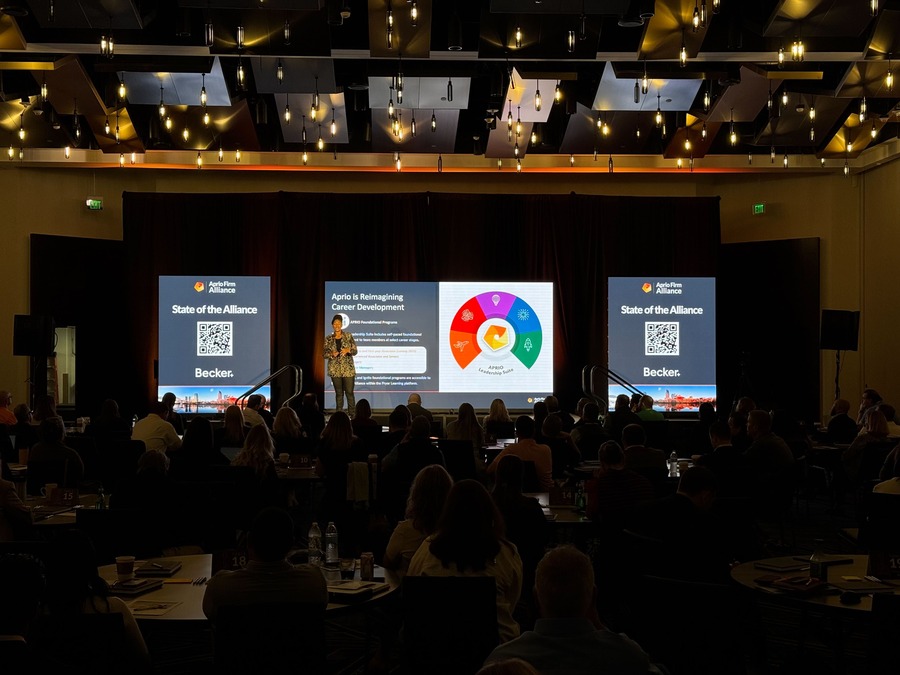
(449, 624)
(459, 458)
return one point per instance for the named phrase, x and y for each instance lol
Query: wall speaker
(840, 330)
(33, 335)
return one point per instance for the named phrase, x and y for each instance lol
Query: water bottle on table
(331, 544)
(314, 544)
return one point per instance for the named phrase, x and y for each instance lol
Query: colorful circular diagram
(494, 325)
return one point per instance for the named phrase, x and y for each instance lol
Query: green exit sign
(759, 209)
(94, 203)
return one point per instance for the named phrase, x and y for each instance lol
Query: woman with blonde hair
(231, 433)
(874, 432)
(466, 428)
(287, 431)
(498, 422)
(337, 448)
(258, 452)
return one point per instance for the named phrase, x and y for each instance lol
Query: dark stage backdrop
(301, 240)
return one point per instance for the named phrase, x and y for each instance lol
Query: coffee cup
(125, 567)
(284, 458)
(48, 490)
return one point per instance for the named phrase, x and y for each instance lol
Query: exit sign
(759, 209)
(94, 203)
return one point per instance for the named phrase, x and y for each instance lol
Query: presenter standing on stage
(340, 350)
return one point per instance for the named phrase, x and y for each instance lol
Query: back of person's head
(633, 434)
(258, 451)
(635, 402)
(540, 411)
(590, 412)
(510, 474)
(427, 497)
(524, 427)
(697, 479)
(737, 423)
(414, 398)
(22, 589)
(579, 407)
(719, 434)
(498, 411)
(234, 423)
(470, 528)
(399, 418)
(45, 407)
(419, 429)
(271, 535)
(611, 454)
(363, 409)
(872, 395)
(623, 402)
(745, 405)
(552, 403)
(759, 421)
(153, 462)
(198, 436)
(647, 402)
(287, 424)
(552, 426)
(158, 408)
(52, 430)
(840, 406)
(22, 413)
(876, 424)
(169, 399)
(564, 583)
(706, 412)
(310, 401)
(466, 415)
(338, 432)
(508, 667)
(109, 409)
(254, 402)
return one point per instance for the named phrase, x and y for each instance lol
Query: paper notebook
(159, 567)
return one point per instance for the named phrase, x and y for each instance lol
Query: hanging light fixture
(609, 164)
(637, 131)
(117, 127)
(812, 133)
(662, 133)
(440, 166)
(121, 91)
(186, 134)
(772, 154)
(499, 164)
(679, 163)
(518, 121)
(45, 91)
(199, 161)
(822, 162)
(659, 117)
(582, 25)
(557, 94)
(572, 160)
(390, 103)
(889, 77)
(645, 81)
(397, 162)
(637, 91)
(703, 132)
(333, 123)
(537, 97)
(279, 72)
(798, 51)
(863, 109)
(121, 160)
(732, 136)
(287, 113)
(516, 149)
(781, 57)
(303, 128)
(287, 32)
(11, 153)
(570, 41)
(399, 79)
(106, 128)
(237, 155)
(707, 97)
(873, 7)
(305, 156)
(168, 123)
(320, 143)
(749, 158)
(412, 125)
(682, 55)
(433, 122)
(687, 143)
(846, 168)
(695, 19)
(873, 132)
(314, 110)
(240, 36)
(162, 103)
(206, 118)
(449, 89)
(849, 147)
(22, 126)
(519, 165)
(704, 15)
(518, 37)
(221, 155)
(400, 126)
(240, 74)
(785, 160)
(534, 135)
(509, 117)
(107, 46)
(812, 112)
(203, 97)
(209, 34)
(784, 97)
(414, 14)
(716, 5)
(68, 152)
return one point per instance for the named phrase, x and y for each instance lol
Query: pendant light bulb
(221, 155)
(287, 113)
(106, 128)
(695, 19)
(333, 124)
(68, 152)
(433, 122)
(538, 102)
(557, 94)
(637, 91)
(414, 14)
(682, 54)
(519, 165)
(450, 89)
(237, 155)
(287, 32)
(658, 117)
(645, 81)
(203, 97)
(279, 72)
(305, 156)
(121, 91)
(162, 104)
(703, 131)
(873, 132)
(570, 41)
(240, 37)
(518, 37)
(863, 109)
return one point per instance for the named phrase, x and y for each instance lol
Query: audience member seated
(647, 461)
(268, 577)
(469, 541)
(647, 413)
(699, 435)
(403, 463)
(619, 418)
(841, 427)
(891, 466)
(563, 451)
(539, 413)
(259, 454)
(15, 517)
(497, 422)
(24, 431)
(6, 415)
(264, 412)
(337, 448)
(44, 408)
(74, 588)
(727, 463)
(197, 452)
(869, 403)
(874, 432)
(414, 405)
(251, 412)
(526, 525)
(366, 429)
(554, 409)
(569, 638)
(507, 667)
(109, 424)
(466, 428)
(22, 589)
(288, 434)
(51, 461)
(157, 434)
(768, 454)
(151, 488)
(232, 433)
(579, 410)
(745, 405)
(589, 433)
(737, 427)
(616, 493)
(526, 449)
(399, 422)
(423, 509)
(171, 416)
(311, 418)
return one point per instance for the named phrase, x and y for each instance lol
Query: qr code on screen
(214, 338)
(661, 339)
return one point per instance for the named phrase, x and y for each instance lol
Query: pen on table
(178, 581)
(156, 565)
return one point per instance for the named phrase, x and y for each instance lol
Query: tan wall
(829, 206)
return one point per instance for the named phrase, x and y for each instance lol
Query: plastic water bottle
(673, 464)
(101, 499)
(314, 543)
(331, 544)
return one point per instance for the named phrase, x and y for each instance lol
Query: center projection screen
(449, 342)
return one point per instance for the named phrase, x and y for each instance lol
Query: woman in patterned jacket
(340, 350)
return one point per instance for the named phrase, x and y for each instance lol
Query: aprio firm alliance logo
(647, 287)
(199, 287)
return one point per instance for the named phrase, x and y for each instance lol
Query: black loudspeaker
(33, 335)
(840, 330)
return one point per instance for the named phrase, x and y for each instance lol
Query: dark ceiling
(470, 46)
